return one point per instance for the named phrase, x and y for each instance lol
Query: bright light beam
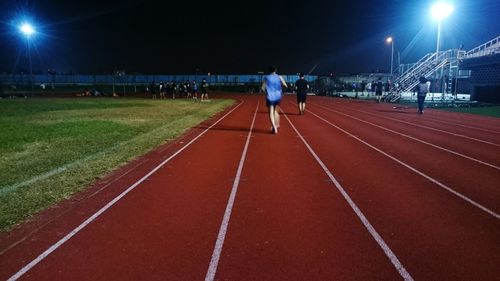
(441, 10)
(27, 29)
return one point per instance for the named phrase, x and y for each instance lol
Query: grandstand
(455, 71)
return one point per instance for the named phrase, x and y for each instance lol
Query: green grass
(52, 148)
(485, 111)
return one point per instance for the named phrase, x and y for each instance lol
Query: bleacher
(445, 68)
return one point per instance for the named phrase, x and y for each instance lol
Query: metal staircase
(444, 64)
(426, 67)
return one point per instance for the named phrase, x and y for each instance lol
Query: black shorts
(378, 93)
(301, 97)
(273, 103)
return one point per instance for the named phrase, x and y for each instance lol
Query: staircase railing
(427, 66)
(415, 65)
(488, 48)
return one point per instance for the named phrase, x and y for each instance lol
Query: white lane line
(461, 196)
(214, 261)
(413, 138)
(4, 190)
(380, 241)
(463, 126)
(27, 236)
(63, 240)
(430, 128)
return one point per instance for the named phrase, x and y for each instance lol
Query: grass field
(52, 148)
(486, 110)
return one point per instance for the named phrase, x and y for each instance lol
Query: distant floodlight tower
(390, 40)
(440, 11)
(28, 30)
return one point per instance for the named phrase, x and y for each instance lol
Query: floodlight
(441, 10)
(389, 40)
(27, 29)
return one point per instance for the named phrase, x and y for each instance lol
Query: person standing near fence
(301, 87)
(204, 90)
(272, 85)
(152, 89)
(195, 90)
(422, 90)
(162, 90)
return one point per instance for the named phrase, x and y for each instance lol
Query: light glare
(441, 10)
(389, 40)
(27, 29)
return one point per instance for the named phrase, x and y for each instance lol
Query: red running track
(352, 190)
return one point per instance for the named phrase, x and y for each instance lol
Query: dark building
(484, 78)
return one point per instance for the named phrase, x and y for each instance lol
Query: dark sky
(240, 37)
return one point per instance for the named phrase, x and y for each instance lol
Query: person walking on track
(272, 86)
(379, 88)
(301, 87)
(422, 90)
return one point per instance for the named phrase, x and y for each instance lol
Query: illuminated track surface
(350, 191)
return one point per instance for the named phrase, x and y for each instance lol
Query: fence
(78, 79)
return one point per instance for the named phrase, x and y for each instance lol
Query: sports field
(352, 190)
(51, 148)
(485, 110)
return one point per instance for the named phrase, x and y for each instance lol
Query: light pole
(28, 30)
(391, 41)
(440, 11)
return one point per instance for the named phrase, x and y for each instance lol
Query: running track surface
(353, 190)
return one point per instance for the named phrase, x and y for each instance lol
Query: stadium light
(390, 40)
(439, 11)
(27, 29)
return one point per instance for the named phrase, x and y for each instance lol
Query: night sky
(234, 37)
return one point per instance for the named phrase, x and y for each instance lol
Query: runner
(272, 85)
(301, 87)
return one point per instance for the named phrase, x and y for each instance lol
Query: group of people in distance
(173, 89)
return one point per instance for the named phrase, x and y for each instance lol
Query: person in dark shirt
(301, 87)
(152, 89)
(379, 88)
(204, 90)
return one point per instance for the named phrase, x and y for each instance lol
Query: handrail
(483, 48)
(426, 74)
(410, 69)
(425, 67)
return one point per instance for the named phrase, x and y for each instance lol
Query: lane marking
(7, 189)
(380, 241)
(413, 138)
(70, 209)
(214, 261)
(464, 126)
(63, 240)
(461, 196)
(430, 128)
